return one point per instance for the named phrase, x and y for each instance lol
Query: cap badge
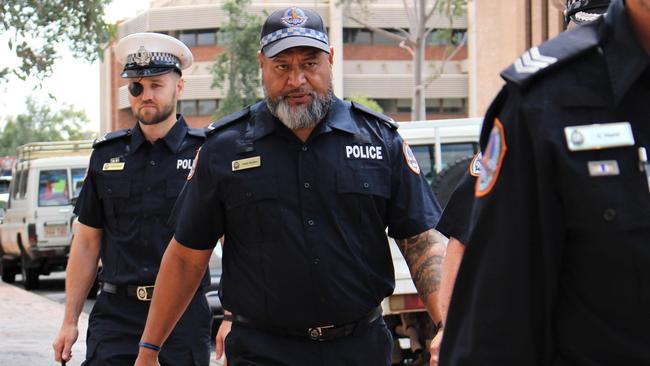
(142, 57)
(294, 17)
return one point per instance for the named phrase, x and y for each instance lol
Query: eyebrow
(311, 54)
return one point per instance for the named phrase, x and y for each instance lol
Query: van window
(426, 156)
(15, 183)
(78, 175)
(4, 186)
(22, 188)
(53, 188)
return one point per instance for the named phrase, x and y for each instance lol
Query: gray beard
(302, 116)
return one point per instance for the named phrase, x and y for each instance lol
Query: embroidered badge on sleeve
(491, 160)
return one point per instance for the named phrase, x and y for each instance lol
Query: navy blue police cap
(150, 54)
(293, 27)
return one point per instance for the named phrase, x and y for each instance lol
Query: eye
(282, 67)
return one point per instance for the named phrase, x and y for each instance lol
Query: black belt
(142, 293)
(322, 333)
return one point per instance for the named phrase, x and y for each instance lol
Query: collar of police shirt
(173, 139)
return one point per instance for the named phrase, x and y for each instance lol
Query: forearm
(80, 275)
(177, 281)
(450, 265)
(424, 254)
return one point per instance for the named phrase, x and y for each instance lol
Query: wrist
(148, 346)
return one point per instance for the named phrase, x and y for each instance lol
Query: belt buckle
(316, 333)
(142, 293)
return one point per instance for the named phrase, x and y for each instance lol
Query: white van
(444, 149)
(36, 230)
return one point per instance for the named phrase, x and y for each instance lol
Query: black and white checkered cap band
(156, 58)
(292, 32)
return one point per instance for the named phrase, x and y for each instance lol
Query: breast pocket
(115, 196)
(363, 192)
(253, 210)
(609, 203)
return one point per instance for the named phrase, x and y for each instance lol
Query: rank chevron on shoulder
(532, 61)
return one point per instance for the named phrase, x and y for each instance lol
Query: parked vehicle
(444, 150)
(36, 230)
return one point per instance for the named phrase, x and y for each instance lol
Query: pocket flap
(364, 181)
(114, 188)
(252, 190)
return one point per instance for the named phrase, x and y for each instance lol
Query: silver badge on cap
(142, 57)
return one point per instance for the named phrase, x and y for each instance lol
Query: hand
(223, 331)
(435, 348)
(63, 342)
(147, 357)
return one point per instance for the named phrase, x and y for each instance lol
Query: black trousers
(116, 324)
(247, 346)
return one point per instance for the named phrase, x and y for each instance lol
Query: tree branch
(384, 32)
(444, 61)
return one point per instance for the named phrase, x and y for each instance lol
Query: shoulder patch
(553, 53)
(491, 160)
(227, 120)
(113, 135)
(382, 117)
(196, 132)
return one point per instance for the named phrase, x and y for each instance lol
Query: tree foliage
(40, 122)
(37, 29)
(366, 101)
(236, 69)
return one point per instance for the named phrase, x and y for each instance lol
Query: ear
(331, 56)
(180, 86)
(260, 58)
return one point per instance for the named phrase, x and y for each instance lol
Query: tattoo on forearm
(424, 254)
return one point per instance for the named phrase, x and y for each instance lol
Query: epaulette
(382, 117)
(553, 53)
(196, 132)
(225, 121)
(113, 135)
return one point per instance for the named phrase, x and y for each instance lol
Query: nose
(296, 79)
(147, 92)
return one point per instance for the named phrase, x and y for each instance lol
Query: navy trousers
(247, 346)
(116, 323)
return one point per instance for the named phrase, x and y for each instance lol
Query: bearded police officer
(303, 185)
(132, 183)
(556, 269)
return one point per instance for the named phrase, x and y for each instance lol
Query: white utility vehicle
(36, 230)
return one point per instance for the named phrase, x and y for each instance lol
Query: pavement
(28, 324)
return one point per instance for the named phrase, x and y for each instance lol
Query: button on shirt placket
(307, 167)
(150, 184)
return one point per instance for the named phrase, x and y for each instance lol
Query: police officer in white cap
(132, 183)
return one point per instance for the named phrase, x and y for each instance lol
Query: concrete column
(106, 104)
(472, 62)
(336, 41)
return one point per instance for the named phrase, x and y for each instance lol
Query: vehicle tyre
(446, 181)
(30, 275)
(8, 271)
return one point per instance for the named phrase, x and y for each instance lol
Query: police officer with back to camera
(456, 219)
(133, 180)
(556, 271)
(303, 185)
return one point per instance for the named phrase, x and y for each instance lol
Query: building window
(446, 37)
(433, 105)
(198, 107)
(199, 37)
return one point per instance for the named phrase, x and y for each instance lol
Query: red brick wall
(395, 53)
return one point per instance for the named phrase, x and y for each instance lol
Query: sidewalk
(28, 325)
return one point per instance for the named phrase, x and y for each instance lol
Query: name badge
(599, 136)
(603, 168)
(254, 162)
(113, 166)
